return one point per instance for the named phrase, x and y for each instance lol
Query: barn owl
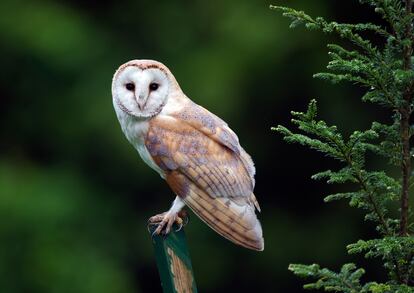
(192, 149)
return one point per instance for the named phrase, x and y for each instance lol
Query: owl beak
(141, 102)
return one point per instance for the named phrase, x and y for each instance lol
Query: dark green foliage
(386, 71)
(347, 280)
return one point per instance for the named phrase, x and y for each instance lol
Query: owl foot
(166, 220)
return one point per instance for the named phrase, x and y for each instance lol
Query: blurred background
(75, 196)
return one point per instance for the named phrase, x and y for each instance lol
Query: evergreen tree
(386, 72)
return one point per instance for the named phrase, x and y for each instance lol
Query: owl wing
(210, 172)
(217, 130)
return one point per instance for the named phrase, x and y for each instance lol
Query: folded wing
(233, 218)
(205, 165)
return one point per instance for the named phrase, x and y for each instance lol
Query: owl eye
(153, 86)
(130, 86)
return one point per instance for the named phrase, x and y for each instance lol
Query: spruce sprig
(386, 72)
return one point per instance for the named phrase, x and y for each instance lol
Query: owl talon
(164, 223)
(185, 218)
(180, 226)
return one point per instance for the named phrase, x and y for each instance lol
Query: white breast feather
(135, 131)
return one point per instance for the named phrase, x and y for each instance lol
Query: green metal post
(174, 262)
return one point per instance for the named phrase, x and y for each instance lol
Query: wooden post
(173, 262)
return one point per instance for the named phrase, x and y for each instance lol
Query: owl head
(141, 87)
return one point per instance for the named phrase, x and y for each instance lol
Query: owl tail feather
(233, 218)
(255, 202)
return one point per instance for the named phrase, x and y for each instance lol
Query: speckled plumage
(195, 151)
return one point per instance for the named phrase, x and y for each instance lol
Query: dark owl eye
(153, 86)
(130, 86)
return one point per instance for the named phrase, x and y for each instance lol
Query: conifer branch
(385, 228)
(357, 174)
(388, 74)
